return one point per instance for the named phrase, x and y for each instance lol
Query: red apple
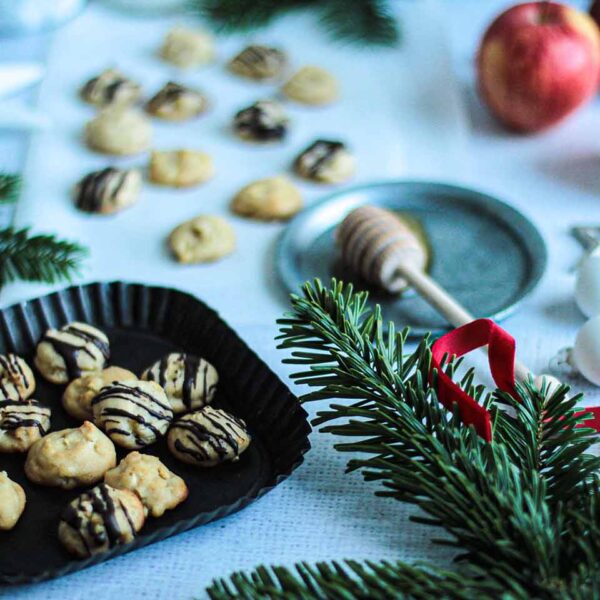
(537, 63)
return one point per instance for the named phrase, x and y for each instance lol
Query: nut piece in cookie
(312, 85)
(186, 47)
(268, 199)
(100, 519)
(12, 502)
(258, 62)
(189, 381)
(71, 457)
(181, 168)
(111, 87)
(205, 238)
(22, 423)
(16, 378)
(175, 102)
(264, 121)
(326, 161)
(133, 414)
(108, 191)
(117, 130)
(208, 437)
(158, 488)
(74, 350)
(78, 396)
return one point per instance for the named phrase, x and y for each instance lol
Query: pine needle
(10, 187)
(37, 257)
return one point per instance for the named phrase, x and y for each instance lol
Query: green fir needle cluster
(33, 257)
(356, 21)
(523, 512)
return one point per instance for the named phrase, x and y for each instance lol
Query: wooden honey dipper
(380, 246)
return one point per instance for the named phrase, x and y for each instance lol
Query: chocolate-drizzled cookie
(100, 519)
(264, 121)
(133, 413)
(325, 161)
(108, 191)
(258, 62)
(74, 350)
(208, 437)
(189, 381)
(176, 102)
(16, 378)
(110, 87)
(22, 422)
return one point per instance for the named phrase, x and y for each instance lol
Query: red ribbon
(501, 357)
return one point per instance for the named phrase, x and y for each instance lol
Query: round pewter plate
(484, 252)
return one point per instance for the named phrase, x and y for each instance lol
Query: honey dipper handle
(439, 298)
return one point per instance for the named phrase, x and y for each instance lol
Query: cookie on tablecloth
(111, 87)
(180, 168)
(108, 191)
(312, 85)
(175, 102)
(205, 238)
(326, 161)
(268, 199)
(258, 62)
(186, 47)
(120, 131)
(263, 121)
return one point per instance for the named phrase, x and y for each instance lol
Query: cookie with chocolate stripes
(74, 350)
(208, 437)
(133, 414)
(100, 519)
(189, 381)
(22, 423)
(16, 378)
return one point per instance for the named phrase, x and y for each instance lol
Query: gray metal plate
(484, 252)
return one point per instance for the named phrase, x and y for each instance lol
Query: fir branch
(242, 15)
(365, 581)
(368, 21)
(524, 510)
(37, 257)
(10, 187)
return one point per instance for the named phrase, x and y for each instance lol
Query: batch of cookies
(121, 128)
(171, 398)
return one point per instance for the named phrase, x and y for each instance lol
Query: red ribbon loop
(479, 333)
(501, 358)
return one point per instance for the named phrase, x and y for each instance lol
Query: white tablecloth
(408, 112)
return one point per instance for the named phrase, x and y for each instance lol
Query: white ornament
(587, 287)
(551, 383)
(586, 352)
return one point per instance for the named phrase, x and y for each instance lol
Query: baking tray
(484, 252)
(143, 323)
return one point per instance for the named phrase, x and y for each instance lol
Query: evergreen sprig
(523, 511)
(37, 257)
(365, 21)
(10, 187)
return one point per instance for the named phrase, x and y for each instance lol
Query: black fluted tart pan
(143, 323)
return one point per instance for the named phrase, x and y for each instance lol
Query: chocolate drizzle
(69, 351)
(316, 156)
(99, 188)
(110, 87)
(13, 380)
(17, 414)
(97, 535)
(195, 370)
(112, 416)
(258, 62)
(210, 436)
(263, 121)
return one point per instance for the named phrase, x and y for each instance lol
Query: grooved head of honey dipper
(375, 242)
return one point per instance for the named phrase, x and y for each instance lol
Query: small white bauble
(587, 287)
(586, 352)
(552, 384)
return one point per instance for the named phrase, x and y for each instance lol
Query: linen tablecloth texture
(409, 112)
